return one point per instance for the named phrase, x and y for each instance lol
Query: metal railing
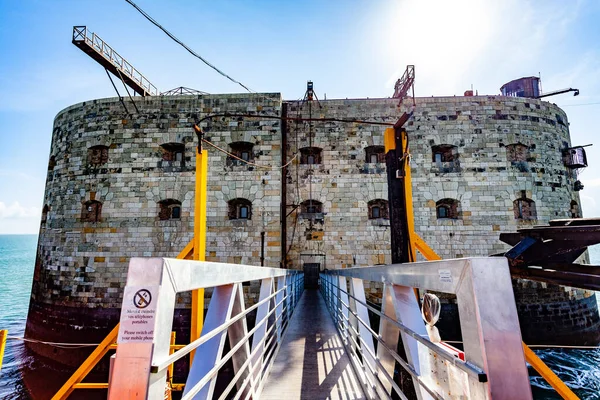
(143, 358)
(81, 34)
(494, 365)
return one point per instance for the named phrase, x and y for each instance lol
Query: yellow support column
(3, 334)
(199, 241)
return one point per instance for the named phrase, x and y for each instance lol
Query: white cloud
(16, 210)
(17, 219)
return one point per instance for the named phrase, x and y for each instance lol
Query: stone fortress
(308, 193)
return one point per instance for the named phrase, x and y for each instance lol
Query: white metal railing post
(342, 283)
(365, 339)
(143, 357)
(258, 342)
(140, 343)
(279, 300)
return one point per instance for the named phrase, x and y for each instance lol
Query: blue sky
(348, 48)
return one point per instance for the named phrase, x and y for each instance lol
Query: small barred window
(169, 209)
(91, 211)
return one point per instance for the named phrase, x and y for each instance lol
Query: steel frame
(141, 367)
(495, 364)
(100, 51)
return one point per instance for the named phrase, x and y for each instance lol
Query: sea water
(580, 369)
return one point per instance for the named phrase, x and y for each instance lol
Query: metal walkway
(312, 362)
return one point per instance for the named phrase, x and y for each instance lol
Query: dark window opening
(45, 213)
(241, 150)
(375, 154)
(524, 209)
(240, 209)
(98, 155)
(169, 209)
(310, 155)
(312, 210)
(378, 208)
(575, 210)
(311, 207)
(375, 212)
(445, 158)
(173, 154)
(51, 163)
(447, 209)
(517, 152)
(91, 211)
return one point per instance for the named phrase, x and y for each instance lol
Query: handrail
(495, 364)
(466, 367)
(204, 338)
(141, 361)
(82, 34)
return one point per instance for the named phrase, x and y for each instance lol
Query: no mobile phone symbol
(142, 298)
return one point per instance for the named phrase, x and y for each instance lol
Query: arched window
(240, 209)
(173, 154)
(446, 209)
(169, 209)
(374, 154)
(311, 207)
(310, 155)
(517, 152)
(98, 155)
(575, 213)
(241, 150)
(45, 213)
(524, 209)
(445, 157)
(378, 208)
(91, 211)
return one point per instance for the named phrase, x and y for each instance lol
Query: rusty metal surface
(547, 253)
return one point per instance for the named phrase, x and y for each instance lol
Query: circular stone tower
(122, 186)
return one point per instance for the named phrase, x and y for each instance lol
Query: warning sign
(138, 314)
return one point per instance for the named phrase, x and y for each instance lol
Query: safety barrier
(142, 359)
(494, 364)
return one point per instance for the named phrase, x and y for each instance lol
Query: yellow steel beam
(3, 334)
(90, 386)
(187, 251)
(389, 140)
(87, 365)
(423, 247)
(546, 373)
(199, 242)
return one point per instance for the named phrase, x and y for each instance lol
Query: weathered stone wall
(81, 266)
(486, 183)
(494, 152)
(483, 181)
(343, 182)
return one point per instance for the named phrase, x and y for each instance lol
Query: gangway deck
(312, 362)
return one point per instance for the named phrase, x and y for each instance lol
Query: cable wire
(54, 344)
(248, 162)
(192, 52)
(118, 94)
